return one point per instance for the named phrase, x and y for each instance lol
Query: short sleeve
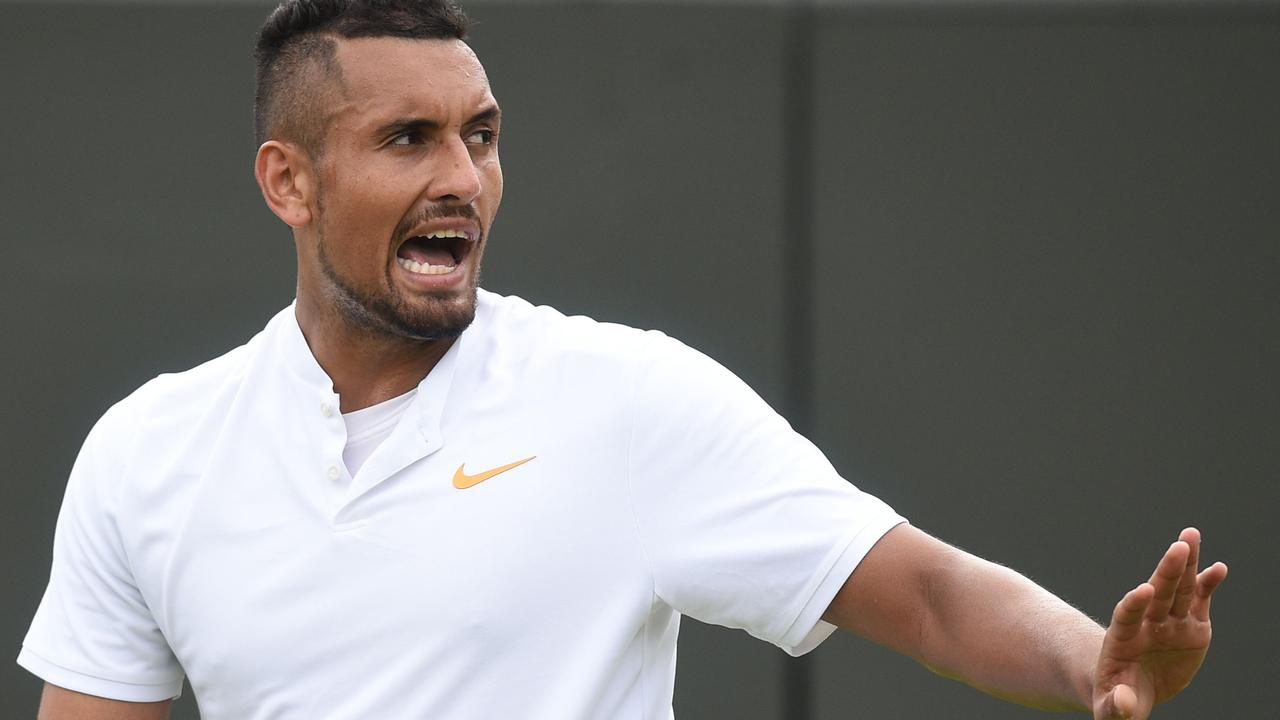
(745, 523)
(93, 632)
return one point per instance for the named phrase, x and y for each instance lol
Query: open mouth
(437, 253)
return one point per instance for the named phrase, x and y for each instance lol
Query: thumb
(1119, 704)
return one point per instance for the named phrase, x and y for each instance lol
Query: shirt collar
(304, 371)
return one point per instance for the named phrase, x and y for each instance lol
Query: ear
(284, 174)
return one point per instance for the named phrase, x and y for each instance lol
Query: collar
(316, 387)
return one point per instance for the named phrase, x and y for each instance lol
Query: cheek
(492, 173)
(363, 214)
(355, 240)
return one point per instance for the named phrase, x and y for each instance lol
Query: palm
(1158, 636)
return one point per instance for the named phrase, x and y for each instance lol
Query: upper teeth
(448, 234)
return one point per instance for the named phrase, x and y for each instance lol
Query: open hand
(1159, 634)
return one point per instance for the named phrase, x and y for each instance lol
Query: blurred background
(1014, 265)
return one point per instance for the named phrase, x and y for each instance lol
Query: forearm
(972, 620)
(994, 629)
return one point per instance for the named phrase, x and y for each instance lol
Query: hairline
(325, 66)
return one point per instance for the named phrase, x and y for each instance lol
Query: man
(409, 498)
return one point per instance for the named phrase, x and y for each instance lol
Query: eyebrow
(409, 124)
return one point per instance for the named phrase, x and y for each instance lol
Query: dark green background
(1043, 293)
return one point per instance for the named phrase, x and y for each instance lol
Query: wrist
(1083, 671)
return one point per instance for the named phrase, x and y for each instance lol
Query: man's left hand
(1159, 634)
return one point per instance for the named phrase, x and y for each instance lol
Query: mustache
(436, 212)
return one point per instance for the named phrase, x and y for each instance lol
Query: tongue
(427, 255)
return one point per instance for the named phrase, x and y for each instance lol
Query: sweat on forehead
(296, 53)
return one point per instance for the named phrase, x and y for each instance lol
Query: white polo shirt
(210, 526)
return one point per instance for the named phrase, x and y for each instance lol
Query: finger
(1206, 582)
(1187, 583)
(1119, 704)
(1126, 619)
(1165, 580)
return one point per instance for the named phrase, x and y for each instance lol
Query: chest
(465, 548)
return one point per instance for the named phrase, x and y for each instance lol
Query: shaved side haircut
(297, 67)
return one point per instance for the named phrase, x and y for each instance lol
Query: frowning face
(408, 186)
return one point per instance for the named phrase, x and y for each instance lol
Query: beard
(433, 318)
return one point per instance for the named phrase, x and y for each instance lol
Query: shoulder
(516, 319)
(514, 330)
(172, 405)
(171, 395)
(178, 391)
(579, 358)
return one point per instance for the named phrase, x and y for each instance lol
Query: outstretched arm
(992, 628)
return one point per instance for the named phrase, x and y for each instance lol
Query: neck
(366, 366)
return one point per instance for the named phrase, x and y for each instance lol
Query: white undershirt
(368, 427)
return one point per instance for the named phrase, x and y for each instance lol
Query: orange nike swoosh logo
(462, 480)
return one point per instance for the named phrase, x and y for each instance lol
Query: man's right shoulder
(146, 451)
(196, 385)
(170, 402)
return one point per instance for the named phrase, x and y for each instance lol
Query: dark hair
(298, 39)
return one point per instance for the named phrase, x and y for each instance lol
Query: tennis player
(407, 497)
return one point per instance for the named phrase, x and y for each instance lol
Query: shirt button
(334, 473)
(326, 410)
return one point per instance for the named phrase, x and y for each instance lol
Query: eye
(482, 137)
(409, 137)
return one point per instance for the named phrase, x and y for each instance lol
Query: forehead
(405, 76)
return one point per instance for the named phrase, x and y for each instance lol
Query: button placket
(329, 410)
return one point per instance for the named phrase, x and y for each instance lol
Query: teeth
(425, 269)
(449, 234)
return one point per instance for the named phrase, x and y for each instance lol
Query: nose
(454, 177)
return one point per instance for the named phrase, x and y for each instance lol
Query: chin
(432, 318)
(392, 312)
(445, 322)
